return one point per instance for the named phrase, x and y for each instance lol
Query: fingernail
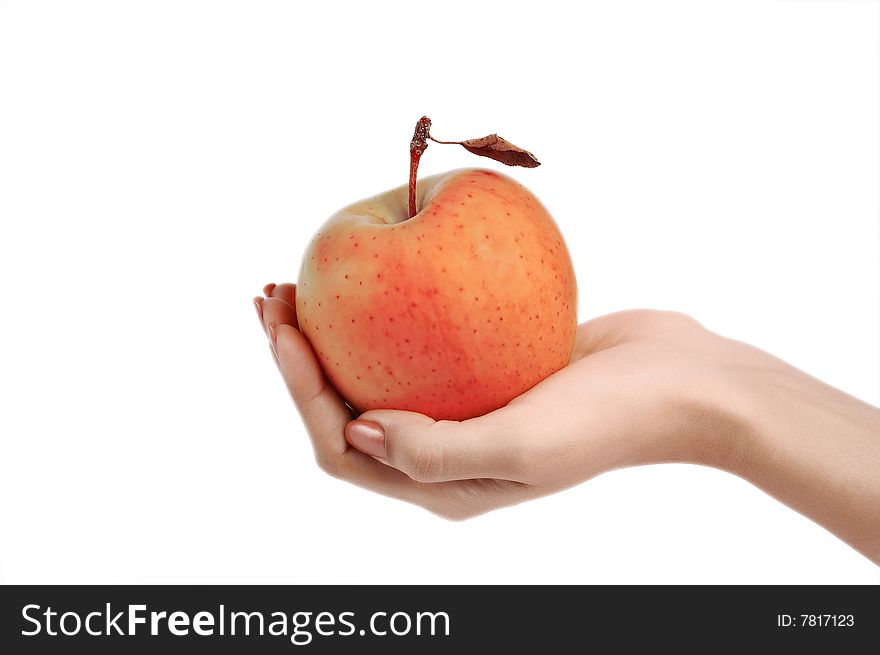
(258, 303)
(267, 290)
(367, 436)
(273, 338)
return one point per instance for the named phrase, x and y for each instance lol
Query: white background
(161, 161)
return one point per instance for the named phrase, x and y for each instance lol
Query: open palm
(598, 413)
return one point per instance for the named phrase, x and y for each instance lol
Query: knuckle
(458, 514)
(452, 511)
(465, 501)
(520, 435)
(424, 463)
(329, 464)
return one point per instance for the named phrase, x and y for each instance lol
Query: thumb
(438, 451)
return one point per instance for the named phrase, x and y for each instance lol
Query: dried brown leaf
(494, 147)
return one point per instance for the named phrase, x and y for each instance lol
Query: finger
(325, 416)
(258, 303)
(455, 500)
(436, 451)
(285, 292)
(364, 471)
(277, 312)
(323, 411)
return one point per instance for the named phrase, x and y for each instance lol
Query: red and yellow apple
(451, 313)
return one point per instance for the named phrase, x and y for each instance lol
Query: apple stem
(450, 143)
(417, 146)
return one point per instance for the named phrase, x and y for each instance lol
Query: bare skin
(642, 387)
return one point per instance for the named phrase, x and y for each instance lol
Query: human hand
(631, 394)
(642, 387)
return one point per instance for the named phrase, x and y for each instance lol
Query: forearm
(814, 448)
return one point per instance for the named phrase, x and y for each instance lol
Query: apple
(452, 312)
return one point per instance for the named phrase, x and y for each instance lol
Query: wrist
(728, 406)
(811, 446)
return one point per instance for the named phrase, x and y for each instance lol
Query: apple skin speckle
(446, 317)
